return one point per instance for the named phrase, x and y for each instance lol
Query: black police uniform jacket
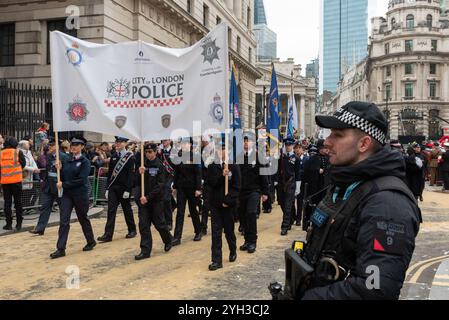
(358, 242)
(252, 179)
(187, 176)
(74, 175)
(125, 178)
(154, 180)
(289, 170)
(216, 183)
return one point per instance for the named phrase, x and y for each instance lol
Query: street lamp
(387, 110)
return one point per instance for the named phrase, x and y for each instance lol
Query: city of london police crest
(166, 120)
(120, 121)
(210, 51)
(217, 110)
(77, 110)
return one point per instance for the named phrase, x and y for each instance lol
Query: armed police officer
(368, 220)
(151, 208)
(119, 184)
(75, 194)
(254, 188)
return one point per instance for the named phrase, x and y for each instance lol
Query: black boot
(142, 255)
(89, 246)
(8, 226)
(57, 254)
(215, 266)
(104, 238)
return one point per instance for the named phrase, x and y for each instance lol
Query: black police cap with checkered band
(358, 115)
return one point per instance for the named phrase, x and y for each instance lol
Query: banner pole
(142, 164)
(226, 164)
(58, 169)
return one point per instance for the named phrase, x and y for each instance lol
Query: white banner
(138, 90)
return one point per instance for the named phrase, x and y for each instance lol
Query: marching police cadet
(12, 162)
(119, 184)
(187, 187)
(289, 183)
(254, 188)
(75, 194)
(221, 206)
(297, 214)
(49, 190)
(150, 205)
(164, 156)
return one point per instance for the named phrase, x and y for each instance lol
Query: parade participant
(207, 158)
(49, 189)
(368, 216)
(300, 153)
(164, 156)
(12, 162)
(434, 155)
(119, 184)
(324, 168)
(221, 206)
(254, 187)
(414, 172)
(310, 185)
(289, 184)
(418, 152)
(75, 194)
(150, 204)
(187, 188)
(445, 167)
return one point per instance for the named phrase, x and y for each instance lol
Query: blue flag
(234, 104)
(292, 119)
(273, 118)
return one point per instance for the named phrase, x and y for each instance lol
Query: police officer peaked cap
(121, 139)
(150, 146)
(289, 141)
(358, 115)
(78, 140)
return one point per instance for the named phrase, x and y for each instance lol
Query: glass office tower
(266, 38)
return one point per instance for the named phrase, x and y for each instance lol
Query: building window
(388, 71)
(205, 15)
(387, 48)
(409, 90)
(229, 37)
(429, 21)
(7, 44)
(190, 6)
(239, 43)
(57, 25)
(434, 45)
(408, 45)
(218, 20)
(432, 89)
(434, 125)
(433, 68)
(410, 21)
(250, 55)
(388, 91)
(409, 68)
(248, 17)
(393, 22)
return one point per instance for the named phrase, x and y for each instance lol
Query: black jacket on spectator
(126, 175)
(252, 180)
(154, 178)
(445, 164)
(216, 182)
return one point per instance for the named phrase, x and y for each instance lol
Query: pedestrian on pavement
(221, 206)
(414, 171)
(419, 154)
(49, 189)
(367, 218)
(118, 191)
(151, 206)
(30, 168)
(75, 194)
(434, 155)
(254, 188)
(12, 162)
(187, 189)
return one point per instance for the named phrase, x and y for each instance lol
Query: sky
(297, 24)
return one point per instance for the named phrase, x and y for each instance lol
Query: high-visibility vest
(11, 170)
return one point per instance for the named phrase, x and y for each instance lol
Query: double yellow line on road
(421, 266)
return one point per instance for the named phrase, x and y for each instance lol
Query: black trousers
(152, 213)
(222, 219)
(205, 209)
(299, 206)
(115, 198)
(287, 200)
(184, 196)
(248, 212)
(446, 179)
(10, 191)
(167, 200)
(81, 205)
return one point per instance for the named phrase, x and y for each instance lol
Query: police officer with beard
(150, 204)
(368, 220)
(120, 182)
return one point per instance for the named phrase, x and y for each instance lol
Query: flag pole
(142, 176)
(226, 166)
(58, 169)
